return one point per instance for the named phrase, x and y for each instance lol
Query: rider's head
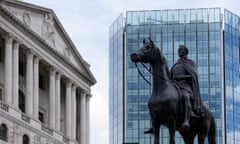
(182, 51)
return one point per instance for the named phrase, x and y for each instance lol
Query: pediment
(44, 23)
(38, 19)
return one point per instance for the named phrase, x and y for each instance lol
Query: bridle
(150, 71)
(142, 74)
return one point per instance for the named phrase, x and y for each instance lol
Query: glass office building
(212, 36)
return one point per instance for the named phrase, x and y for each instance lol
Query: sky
(87, 23)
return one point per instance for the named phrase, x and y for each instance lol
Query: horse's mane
(164, 61)
(162, 57)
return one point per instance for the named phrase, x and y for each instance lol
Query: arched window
(3, 132)
(21, 101)
(25, 139)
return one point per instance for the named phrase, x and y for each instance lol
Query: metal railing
(4, 106)
(25, 118)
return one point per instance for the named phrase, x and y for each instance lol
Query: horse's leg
(212, 132)
(156, 128)
(172, 128)
(201, 139)
(188, 137)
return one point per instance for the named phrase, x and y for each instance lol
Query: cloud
(99, 119)
(87, 23)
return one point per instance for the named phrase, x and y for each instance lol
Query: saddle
(181, 97)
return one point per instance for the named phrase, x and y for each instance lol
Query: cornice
(25, 4)
(90, 80)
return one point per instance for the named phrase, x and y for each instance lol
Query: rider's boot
(187, 106)
(197, 108)
(149, 131)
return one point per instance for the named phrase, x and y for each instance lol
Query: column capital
(68, 83)
(16, 45)
(52, 70)
(36, 59)
(59, 72)
(30, 52)
(33, 53)
(8, 36)
(88, 96)
(74, 86)
(84, 92)
(58, 75)
(36, 55)
(17, 40)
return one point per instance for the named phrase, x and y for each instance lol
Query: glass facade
(213, 42)
(232, 77)
(116, 76)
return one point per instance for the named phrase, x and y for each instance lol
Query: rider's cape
(191, 68)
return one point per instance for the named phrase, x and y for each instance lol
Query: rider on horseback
(184, 73)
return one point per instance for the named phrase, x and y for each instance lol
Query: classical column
(78, 97)
(88, 118)
(74, 112)
(68, 108)
(8, 68)
(58, 101)
(83, 134)
(29, 84)
(35, 87)
(15, 83)
(52, 98)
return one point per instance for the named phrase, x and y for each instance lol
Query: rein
(149, 70)
(142, 74)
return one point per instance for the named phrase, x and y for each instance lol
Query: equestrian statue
(175, 101)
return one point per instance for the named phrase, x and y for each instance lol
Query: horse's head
(147, 53)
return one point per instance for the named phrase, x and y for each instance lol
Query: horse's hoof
(149, 131)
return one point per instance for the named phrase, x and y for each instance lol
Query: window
(1, 51)
(1, 94)
(41, 85)
(42, 81)
(3, 132)
(22, 68)
(41, 117)
(25, 139)
(21, 101)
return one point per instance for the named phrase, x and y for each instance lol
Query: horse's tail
(212, 132)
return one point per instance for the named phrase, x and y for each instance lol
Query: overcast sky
(87, 23)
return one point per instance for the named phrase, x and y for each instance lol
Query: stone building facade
(44, 81)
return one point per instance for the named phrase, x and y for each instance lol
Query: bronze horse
(165, 101)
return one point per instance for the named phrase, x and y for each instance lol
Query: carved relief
(67, 53)
(14, 11)
(26, 19)
(16, 128)
(48, 32)
(37, 139)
